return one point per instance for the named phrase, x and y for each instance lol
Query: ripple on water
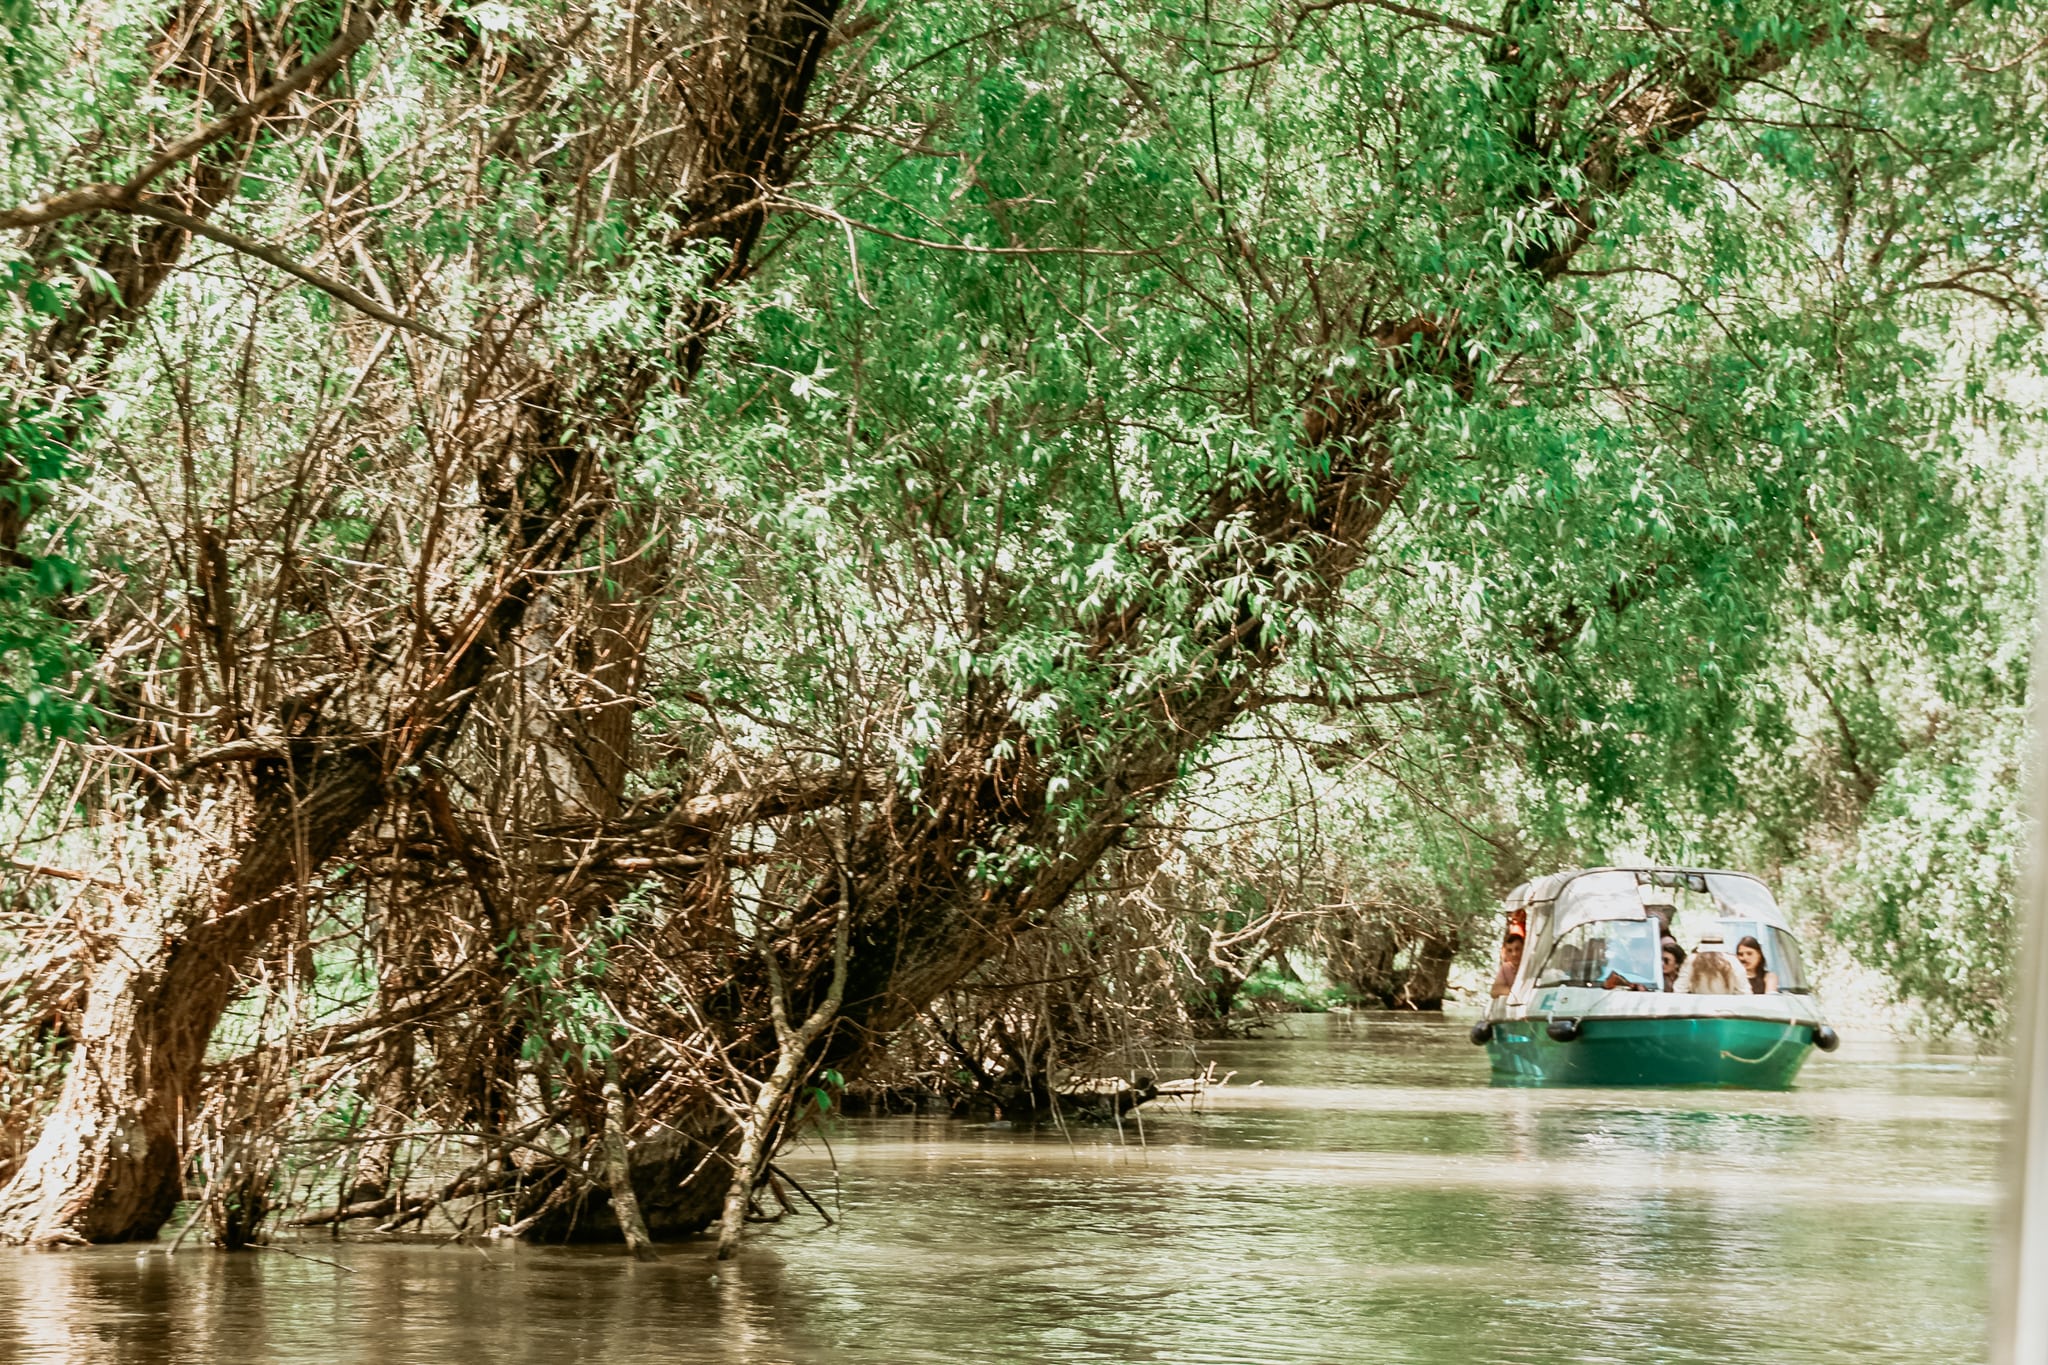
(1374, 1200)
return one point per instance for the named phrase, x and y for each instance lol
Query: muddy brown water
(1371, 1198)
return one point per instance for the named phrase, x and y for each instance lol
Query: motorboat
(1589, 1003)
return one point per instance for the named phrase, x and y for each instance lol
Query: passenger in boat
(1674, 958)
(1510, 959)
(1712, 971)
(1751, 954)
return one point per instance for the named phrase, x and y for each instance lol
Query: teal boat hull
(1750, 1054)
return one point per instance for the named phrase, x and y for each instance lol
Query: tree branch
(61, 873)
(249, 246)
(127, 197)
(1450, 22)
(353, 35)
(107, 195)
(122, 199)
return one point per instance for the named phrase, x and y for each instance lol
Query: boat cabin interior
(1606, 926)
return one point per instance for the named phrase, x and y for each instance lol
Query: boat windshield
(1592, 954)
(1781, 950)
(1781, 955)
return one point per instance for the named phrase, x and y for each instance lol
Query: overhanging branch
(270, 255)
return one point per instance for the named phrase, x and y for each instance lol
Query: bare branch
(270, 255)
(353, 35)
(123, 197)
(61, 873)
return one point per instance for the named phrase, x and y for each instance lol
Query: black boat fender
(1825, 1038)
(1482, 1033)
(1562, 1030)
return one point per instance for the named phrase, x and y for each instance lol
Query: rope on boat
(1790, 1029)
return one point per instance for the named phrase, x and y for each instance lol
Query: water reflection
(1371, 1198)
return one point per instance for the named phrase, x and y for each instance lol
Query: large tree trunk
(1429, 975)
(1362, 959)
(109, 1165)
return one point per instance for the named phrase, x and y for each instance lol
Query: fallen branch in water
(776, 1172)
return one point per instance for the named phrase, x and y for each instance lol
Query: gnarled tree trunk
(1429, 973)
(109, 1164)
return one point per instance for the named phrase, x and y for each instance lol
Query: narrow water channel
(1358, 1192)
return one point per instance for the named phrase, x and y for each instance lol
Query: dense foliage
(579, 575)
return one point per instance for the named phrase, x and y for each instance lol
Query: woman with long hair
(1711, 971)
(1751, 954)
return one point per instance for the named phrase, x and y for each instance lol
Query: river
(1357, 1192)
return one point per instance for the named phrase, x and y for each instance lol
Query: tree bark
(1430, 973)
(108, 1165)
(618, 1168)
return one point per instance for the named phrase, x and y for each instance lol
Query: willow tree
(682, 567)
(1513, 375)
(461, 456)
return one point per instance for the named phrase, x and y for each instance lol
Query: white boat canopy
(1564, 900)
